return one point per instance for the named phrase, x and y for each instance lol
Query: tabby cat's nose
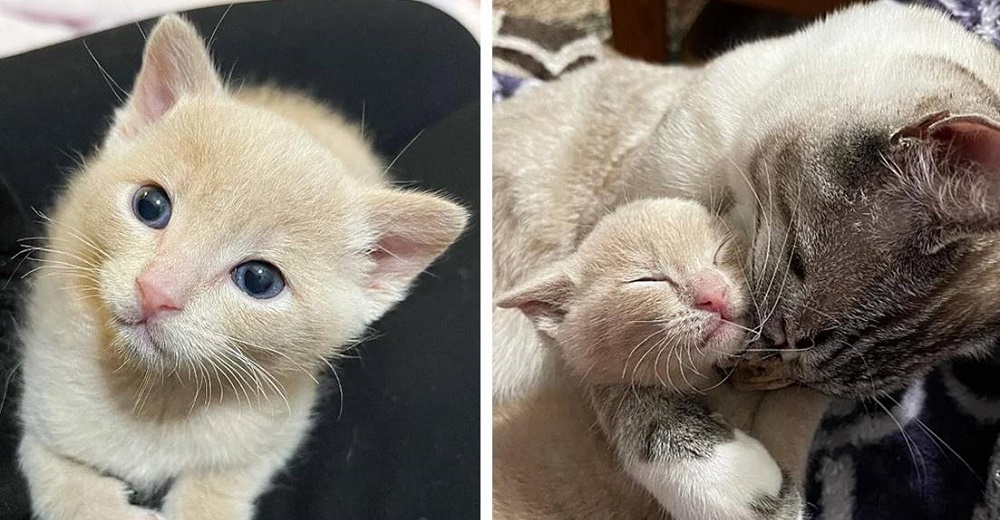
(155, 296)
(774, 332)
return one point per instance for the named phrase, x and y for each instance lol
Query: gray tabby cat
(858, 157)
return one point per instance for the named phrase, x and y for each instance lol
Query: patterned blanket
(929, 452)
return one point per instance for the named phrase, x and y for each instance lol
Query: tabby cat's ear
(412, 230)
(954, 174)
(175, 64)
(543, 300)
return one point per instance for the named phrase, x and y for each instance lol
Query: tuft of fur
(213, 397)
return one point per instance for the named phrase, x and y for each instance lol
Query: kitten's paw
(138, 513)
(739, 480)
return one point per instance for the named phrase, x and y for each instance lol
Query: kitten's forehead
(648, 233)
(237, 171)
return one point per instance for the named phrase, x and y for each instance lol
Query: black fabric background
(406, 444)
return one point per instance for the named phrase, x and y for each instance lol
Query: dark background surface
(406, 443)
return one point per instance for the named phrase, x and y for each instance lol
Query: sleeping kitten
(199, 271)
(643, 311)
(857, 156)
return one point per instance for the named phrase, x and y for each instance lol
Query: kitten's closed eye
(151, 206)
(259, 279)
(654, 278)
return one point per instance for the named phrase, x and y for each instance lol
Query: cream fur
(611, 331)
(217, 395)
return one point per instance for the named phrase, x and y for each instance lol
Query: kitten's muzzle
(155, 297)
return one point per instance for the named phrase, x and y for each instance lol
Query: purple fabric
(505, 85)
(980, 17)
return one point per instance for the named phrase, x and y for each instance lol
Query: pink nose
(155, 296)
(711, 293)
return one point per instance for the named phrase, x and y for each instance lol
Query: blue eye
(152, 206)
(258, 279)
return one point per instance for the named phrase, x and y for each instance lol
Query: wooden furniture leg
(639, 29)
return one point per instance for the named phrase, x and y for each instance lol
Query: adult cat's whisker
(737, 325)
(802, 349)
(746, 178)
(868, 368)
(774, 272)
(910, 445)
(768, 219)
(938, 441)
(817, 311)
(788, 264)
(742, 266)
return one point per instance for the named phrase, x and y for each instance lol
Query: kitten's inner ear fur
(413, 230)
(955, 167)
(175, 64)
(543, 300)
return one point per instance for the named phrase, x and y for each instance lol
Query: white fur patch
(721, 487)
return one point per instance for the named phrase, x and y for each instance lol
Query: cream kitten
(643, 311)
(198, 272)
(653, 295)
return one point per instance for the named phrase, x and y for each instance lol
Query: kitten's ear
(543, 300)
(413, 230)
(954, 173)
(174, 64)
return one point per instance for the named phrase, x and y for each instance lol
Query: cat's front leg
(696, 467)
(64, 489)
(217, 495)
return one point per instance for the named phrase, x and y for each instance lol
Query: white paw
(723, 486)
(138, 513)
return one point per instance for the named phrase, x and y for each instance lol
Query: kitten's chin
(724, 338)
(140, 342)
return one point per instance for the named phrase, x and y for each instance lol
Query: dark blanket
(929, 452)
